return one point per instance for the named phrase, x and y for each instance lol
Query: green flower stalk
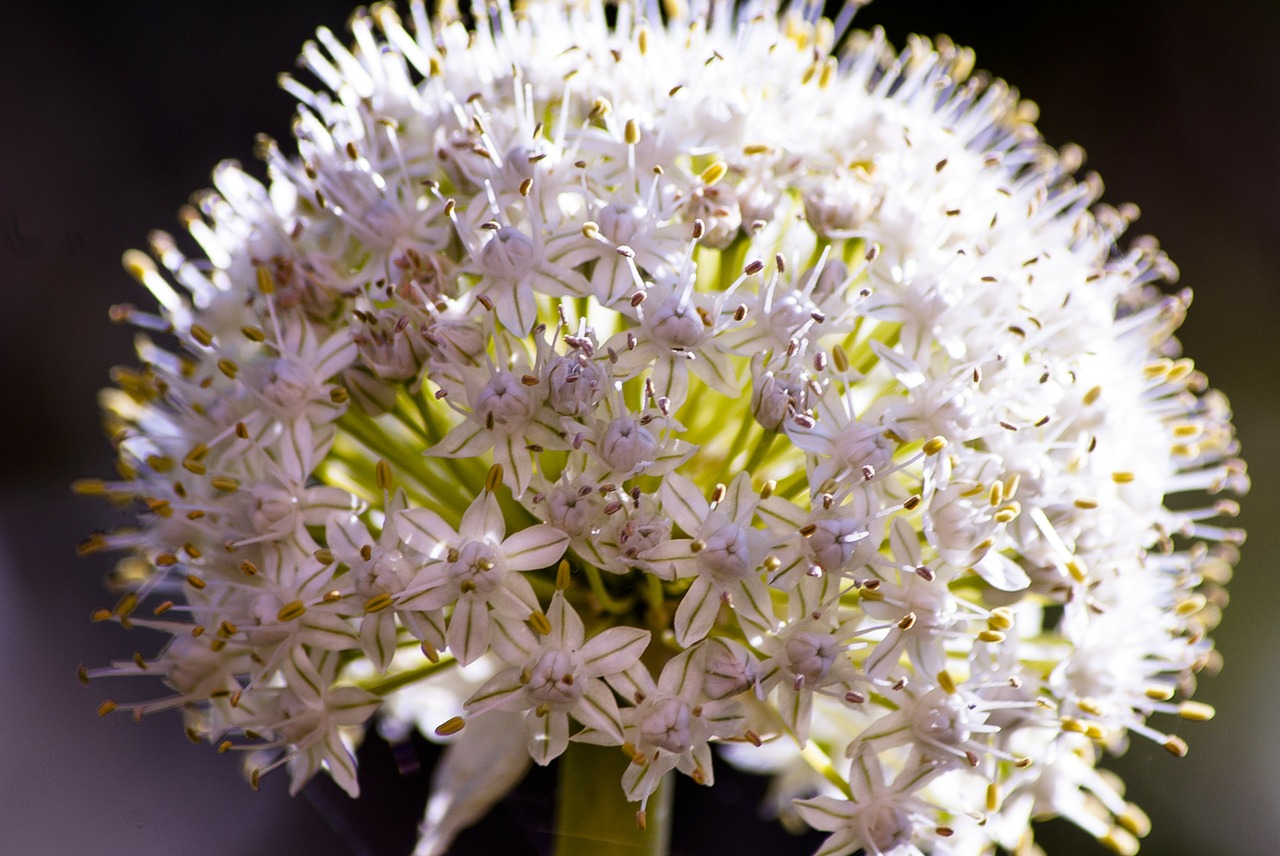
(609, 383)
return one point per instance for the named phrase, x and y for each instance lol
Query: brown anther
(450, 726)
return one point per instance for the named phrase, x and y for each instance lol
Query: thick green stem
(593, 817)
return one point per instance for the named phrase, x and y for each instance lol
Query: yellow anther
(772, 563)
(1196, 711)
(1085, 504)
(1079, 572)
(338, 394)
(947, 682)
(195, 582)
(993, 637)
(228, 368)
(429, 651)
(562, 575)
(996, 494)
(1001, 618)
(1089, 706)
(1135, 820)
(164, 560)
(767, 489)
(1180, 369)
(828, 73)
(755, 149)
(253, 334)
(1008, 512)
(591, 229)
(324, 557)
(201, 335)
(95, 543)
(225, 746)
(1092, 395)
(1190, 605)
(89, 487)
(1122, 477)
(934, 446)
(539, 622)
(1119, 841)
(600, 108)
(993, 796)
(631, 133)
(493, 480)
(377, 603)
(291, 610)
(642, 40)
(450, 726)
(382, 474)
(266, 282)
(225, 484)
(106, 707)
(713, 173)
(1073, 725)
(1176, 746)
(697, 545)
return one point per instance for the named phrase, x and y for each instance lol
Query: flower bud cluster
(595, 381)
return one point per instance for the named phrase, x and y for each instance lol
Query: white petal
(378, 638)
(483, 520)
(486, 761)
(548, 735)
(827, 813)
(341, 764)
(345, 535)
(612, 651)
(537, 547)
(495, 692)
(598, 710)
(684, 502)
(905, 542)
(754, 607)
(425, 531)
(468, 633)
(566, 627)
(697, 612)
(1001, 572)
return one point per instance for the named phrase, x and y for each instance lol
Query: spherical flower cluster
(657, 378)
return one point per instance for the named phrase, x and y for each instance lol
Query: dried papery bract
(579, 381)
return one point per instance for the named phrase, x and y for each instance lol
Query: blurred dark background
(111, 114)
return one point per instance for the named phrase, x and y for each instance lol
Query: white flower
(559, 674)
(858, 422)
(476, 568)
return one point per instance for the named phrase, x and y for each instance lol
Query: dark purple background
(111, 114)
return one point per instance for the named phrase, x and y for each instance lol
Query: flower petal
(484, 762)
(567, 631)
(468, 633)
(538, 546)
(598, 710)
(425, 531)
(548, 735)
(697, 612)
(684, 502)
(612, 651)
